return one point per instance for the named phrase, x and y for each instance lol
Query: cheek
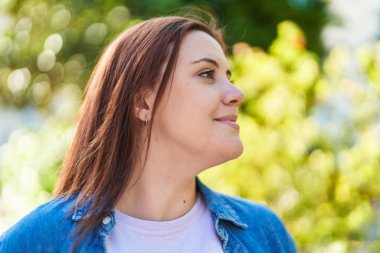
(193, 116)
(194, 104)
(188, 116)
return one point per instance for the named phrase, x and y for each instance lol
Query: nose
(233, 95)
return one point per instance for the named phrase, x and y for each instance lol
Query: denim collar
(218, 206)
(216, 203)
(79, 211)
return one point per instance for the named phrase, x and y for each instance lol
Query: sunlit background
(310, 71)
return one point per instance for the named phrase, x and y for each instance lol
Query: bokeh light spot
(24, 24)
(54, 43)
(40, 91)
(117, 16)
(46, 60)
(5, 46)
(22, 38)
(18, 80)
(60, 19)
(95, 33)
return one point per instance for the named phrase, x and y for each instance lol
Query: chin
(230, 152)
(237, 151)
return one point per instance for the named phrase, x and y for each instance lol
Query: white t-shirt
(193, 232)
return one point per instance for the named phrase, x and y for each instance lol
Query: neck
(164, 190)
(164, 187)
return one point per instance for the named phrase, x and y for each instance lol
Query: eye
(210, 74)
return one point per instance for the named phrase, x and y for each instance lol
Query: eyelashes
(209, 74)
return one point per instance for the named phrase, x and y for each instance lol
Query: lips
(229, 120)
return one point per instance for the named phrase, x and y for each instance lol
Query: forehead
(197, 45)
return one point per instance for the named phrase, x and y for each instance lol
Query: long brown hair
(105, 148)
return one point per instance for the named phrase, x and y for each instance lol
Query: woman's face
(197, 115)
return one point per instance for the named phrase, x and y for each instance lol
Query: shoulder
(249, 210)
(48, 224)
(239, 209)
(261, 221)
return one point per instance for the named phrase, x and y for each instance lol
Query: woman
(159, 108)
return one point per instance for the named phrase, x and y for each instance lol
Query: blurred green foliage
(250, 21)
(45, 44)
(48, 46)
(312, 142)
(311, 131)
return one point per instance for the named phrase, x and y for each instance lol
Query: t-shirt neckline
(162, 228)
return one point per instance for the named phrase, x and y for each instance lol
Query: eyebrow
(213, 62)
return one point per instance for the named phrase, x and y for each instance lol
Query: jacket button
(106, 220)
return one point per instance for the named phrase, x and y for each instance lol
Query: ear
(144, 103)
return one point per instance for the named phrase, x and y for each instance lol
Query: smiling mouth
(229, 120)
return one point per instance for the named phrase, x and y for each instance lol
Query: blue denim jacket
(243, 227)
